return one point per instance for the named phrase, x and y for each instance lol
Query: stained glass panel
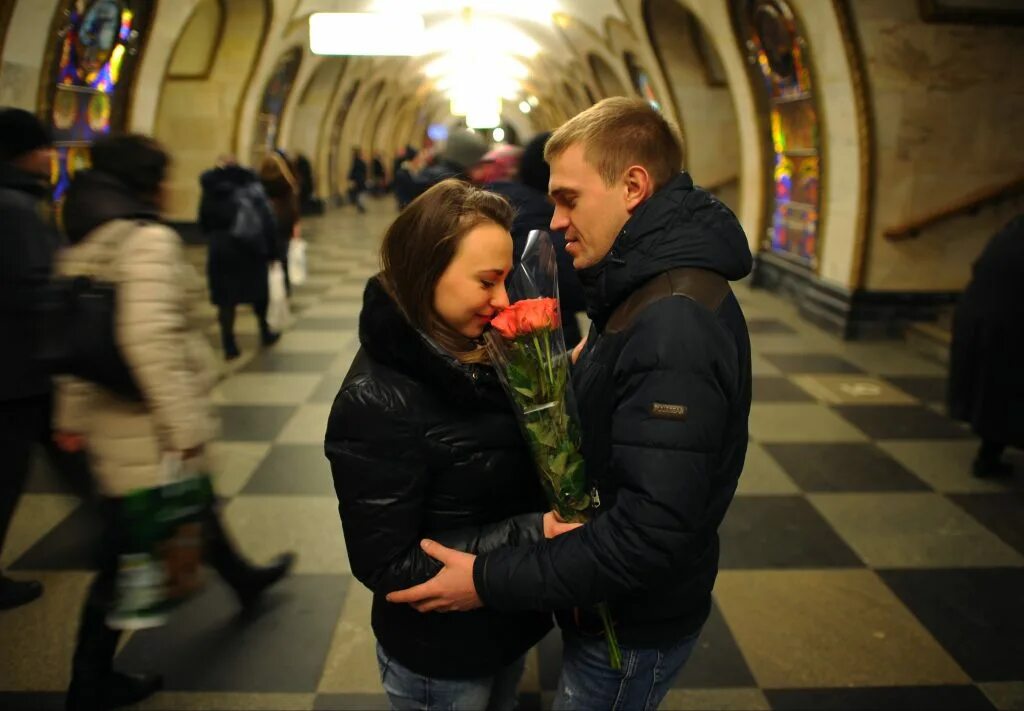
(641, 81)
(97, 43)
(779, 54)
(275, 96)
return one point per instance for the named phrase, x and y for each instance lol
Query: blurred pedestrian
(986, 382)
(241, 231)
(112, 220)
(357, 177)
(28, 241)
(282, 188)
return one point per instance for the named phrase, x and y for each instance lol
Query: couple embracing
(443, 514)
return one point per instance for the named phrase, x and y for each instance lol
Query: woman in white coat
(111, 217)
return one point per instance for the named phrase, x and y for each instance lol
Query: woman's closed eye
(488, 284)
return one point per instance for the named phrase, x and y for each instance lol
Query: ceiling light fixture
(366, 34)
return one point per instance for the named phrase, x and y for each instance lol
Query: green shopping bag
(159, 564)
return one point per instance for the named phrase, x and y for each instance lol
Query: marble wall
(947, 102)
(24, 51)
(195, 117)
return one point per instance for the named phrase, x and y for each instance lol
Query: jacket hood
(389, 339)
(227, 178)
(679, 226)
(96, 198)
(14, 178)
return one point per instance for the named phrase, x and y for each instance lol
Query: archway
(607, 81)
(202, 87)
(700, 91)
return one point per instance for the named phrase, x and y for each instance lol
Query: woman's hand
(70, 442)
(555, 526)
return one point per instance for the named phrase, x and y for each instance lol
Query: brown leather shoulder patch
(701, 285)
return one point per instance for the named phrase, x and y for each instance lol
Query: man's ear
(638, 186)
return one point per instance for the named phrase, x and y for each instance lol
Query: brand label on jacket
(667, 411)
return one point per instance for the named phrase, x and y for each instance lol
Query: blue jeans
(408, 690)
(589, 682)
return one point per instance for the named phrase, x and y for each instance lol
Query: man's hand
(555, 526)
(579, 349)
(451, 590)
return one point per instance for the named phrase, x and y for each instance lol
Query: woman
(111, 217)
(241, 232)
(422, 442)
(282, 188)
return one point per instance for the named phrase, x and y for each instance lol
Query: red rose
(536, 314)
(506, 324)
(526, 316)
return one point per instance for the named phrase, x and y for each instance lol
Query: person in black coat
(27, 246)
(357, 177)
(240, 251)
(663, 385)
(986, 381)
(529, 196)
(422, 441)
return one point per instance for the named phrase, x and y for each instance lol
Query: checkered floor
(862, 566)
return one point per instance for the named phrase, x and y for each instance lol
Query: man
(663, 386)
(357, 175)
(27, 245)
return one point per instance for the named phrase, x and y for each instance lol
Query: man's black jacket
(665, 480)
(27, 246)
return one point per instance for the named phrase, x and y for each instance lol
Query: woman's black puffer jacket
(422, 445)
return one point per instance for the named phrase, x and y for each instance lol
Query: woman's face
(472, 289)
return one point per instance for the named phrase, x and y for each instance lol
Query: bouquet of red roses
(528, 350)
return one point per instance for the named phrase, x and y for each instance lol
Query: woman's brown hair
(421, 243)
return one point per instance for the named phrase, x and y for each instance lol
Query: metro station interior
(869, 148)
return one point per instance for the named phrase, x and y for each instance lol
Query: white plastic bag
(297, 260)
(277, 308)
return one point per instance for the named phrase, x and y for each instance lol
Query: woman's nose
(500, 298)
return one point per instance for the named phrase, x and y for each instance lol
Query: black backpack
(78, 334)
(254, 220)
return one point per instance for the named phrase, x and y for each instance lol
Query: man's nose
(560, 220)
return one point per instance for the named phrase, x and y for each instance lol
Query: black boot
(989, 464)
(15, 593)
(95, 686)
(248, 581)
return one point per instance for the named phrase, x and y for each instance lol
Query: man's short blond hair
(619, 132)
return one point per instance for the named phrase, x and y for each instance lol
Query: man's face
(37, 162)
(589, 212)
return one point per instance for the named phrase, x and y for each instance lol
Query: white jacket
(173, 366)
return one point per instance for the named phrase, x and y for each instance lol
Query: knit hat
(533, 170)
(20, 133)
(464, 148)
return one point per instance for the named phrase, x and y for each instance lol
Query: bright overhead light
(366, 33)
(541, 11)
(525, 107)
(479, 36)
(533, 101)
(483, 119)
(498, 134)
